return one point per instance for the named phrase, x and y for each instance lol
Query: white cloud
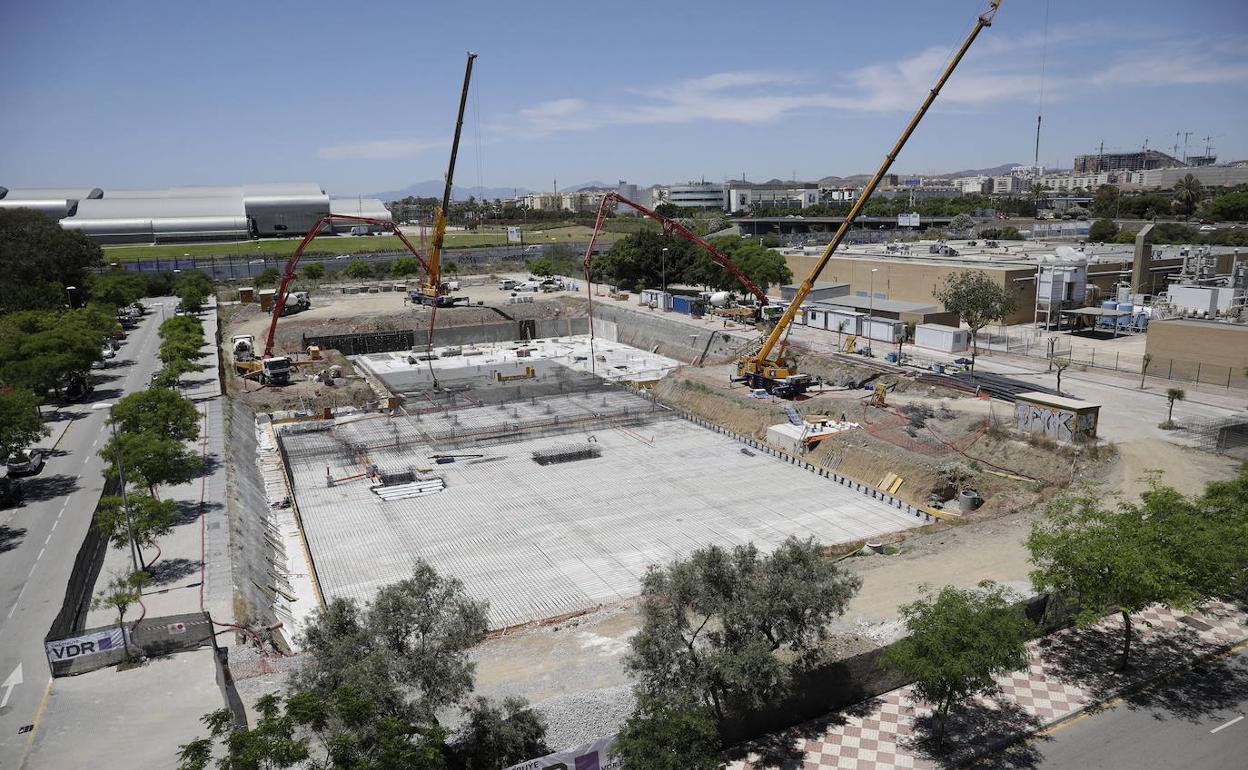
(378, 149)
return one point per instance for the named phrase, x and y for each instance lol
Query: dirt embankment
(935, 445)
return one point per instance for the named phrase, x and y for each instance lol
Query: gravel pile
(581, 717)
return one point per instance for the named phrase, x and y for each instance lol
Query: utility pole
(1186, 134)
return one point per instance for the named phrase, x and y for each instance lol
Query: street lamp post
(664, 265)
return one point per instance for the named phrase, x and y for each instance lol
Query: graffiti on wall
(1056, 423)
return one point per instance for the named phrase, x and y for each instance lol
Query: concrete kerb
(844, 481)
(1092, 706)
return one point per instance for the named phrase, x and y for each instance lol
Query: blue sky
(362, 98)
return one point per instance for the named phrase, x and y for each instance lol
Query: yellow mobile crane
(432, 290)
(778, 375)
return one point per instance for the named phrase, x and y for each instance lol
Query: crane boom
(432, 289)
(760, 370)
(670, 227)
(279, 299)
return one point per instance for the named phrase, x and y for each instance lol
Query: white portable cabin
(656, 298)
(823, 317)
(883, 329)
(947, 339)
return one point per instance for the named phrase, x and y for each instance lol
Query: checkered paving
(883, 737)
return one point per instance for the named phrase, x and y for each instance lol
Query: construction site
(548, 439)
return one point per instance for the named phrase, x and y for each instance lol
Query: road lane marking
(1226, 725)
(40, 556)
(58, 521)
(30, 739)
(48, 539)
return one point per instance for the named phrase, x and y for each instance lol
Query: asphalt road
(1194, 721)
(39, 540)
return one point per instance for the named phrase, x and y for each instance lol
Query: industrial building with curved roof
(192, 213)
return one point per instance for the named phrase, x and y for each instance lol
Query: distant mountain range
(432, 188)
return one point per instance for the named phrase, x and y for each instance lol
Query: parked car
(108, 352)
(1207, 228)
(26, 463)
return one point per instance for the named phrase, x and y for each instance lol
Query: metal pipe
(755, 363)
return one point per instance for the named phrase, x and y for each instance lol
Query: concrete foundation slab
(538, 539)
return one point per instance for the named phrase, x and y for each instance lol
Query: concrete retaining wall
(652, 330)
(503, 331)
(251, 546)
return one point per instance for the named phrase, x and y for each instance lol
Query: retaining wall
(654, 330)
(251, 548)
(503, 331)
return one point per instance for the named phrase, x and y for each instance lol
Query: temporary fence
(1086, 356)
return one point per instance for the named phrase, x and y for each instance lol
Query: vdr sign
(93, 643)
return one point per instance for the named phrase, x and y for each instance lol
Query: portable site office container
(656, 298)
(685, 304)
(827, 318)
(883, 329)
(947, 339)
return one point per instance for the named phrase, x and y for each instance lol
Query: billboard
(89, 643)
(908, 220)
(595, 755)
(513, 235)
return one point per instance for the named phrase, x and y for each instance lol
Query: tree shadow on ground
(980, 725)
(196, 383)
(1209, 687)
(11, 537)
(1088, 657)
(779, 749)
(168, 571)
(189, 510)
(40, 488)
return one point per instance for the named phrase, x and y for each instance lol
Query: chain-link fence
(1037, 345)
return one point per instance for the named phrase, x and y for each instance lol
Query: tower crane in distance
(778, 374)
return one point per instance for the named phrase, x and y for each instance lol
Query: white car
(108, 352)
(1207, 228)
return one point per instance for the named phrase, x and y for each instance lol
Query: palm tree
(1172, 395)
(1188, 193)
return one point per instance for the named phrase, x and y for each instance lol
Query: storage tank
(1125, 320)
(1105, 321)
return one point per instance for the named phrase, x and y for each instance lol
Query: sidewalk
(1070, 671)
(196, 551)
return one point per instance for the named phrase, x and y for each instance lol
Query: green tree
(116, 288)
(1106, 200)
(1172, 395)
(267, 276)
(20, 423)
(335, 734)
(1230, 207)
(713, 623)
(957, 641)
(1102, 231)
(978, 300)
(541, 267)
(313, 271)
(1188, 193)
(498, 735)
(1060, 364)
(407, 266)
(669, 732)
(42, 350)
(1103, 557)
(358, 268)
(192, 289)
(151, 460)
(159, 411)
(961, 224)
(38, 259)
(408, 649)
(763, 266)
(121, 593)
(381, 269)
(151, 519)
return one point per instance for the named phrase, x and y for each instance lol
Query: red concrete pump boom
(279, 300)
(670, 227)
